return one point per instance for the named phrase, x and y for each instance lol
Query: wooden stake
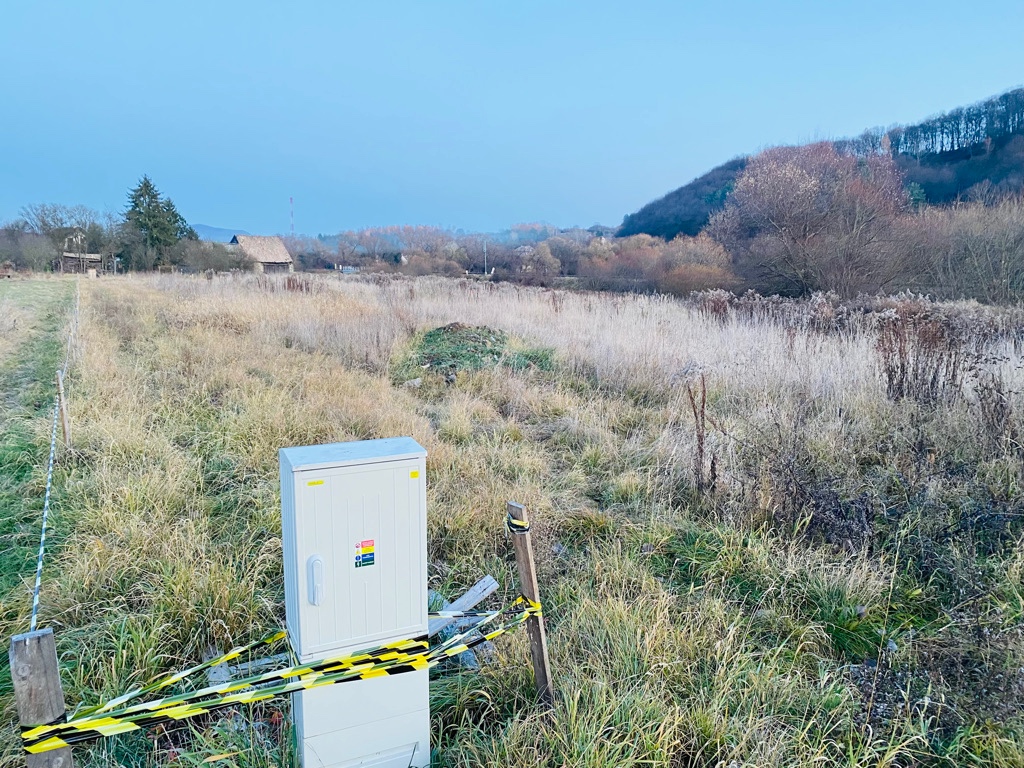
(534, 624)
(65, 419)
(37, 690)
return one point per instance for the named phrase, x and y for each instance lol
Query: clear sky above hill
(474, 114)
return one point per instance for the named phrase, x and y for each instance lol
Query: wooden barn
(74, 259)
(82, 263)
(267, 254)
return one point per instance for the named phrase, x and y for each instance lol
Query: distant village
(263, 254)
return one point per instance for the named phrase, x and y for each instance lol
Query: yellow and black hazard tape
(516, 526)
(395, 658)
(175, 677)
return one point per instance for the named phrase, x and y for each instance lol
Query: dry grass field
(770, 533)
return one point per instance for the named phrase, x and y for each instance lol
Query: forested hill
(973, 151)
(687, 209)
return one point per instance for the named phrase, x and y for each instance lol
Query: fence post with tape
(519, 525)
(38, 692)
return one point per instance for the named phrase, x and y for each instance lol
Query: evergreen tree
(154, 226)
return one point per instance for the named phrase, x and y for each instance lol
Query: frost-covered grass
(843, 589)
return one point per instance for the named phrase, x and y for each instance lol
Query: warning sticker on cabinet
(364, 553)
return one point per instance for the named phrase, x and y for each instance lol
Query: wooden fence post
(535, 624)
(65, 419)
(37, 690)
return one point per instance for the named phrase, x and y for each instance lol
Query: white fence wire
(49, 467)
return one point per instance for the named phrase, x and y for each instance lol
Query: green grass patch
(751, 572)
(27, 389)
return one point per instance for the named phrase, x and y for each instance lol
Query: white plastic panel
(359, 452)
(360, 702)
(384, 722)
(360, 533)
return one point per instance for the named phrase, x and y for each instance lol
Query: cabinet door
(361, 555)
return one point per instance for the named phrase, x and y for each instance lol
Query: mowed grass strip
(35, 313)
(34, 316)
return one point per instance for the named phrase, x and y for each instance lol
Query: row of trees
(151, 233)
(818, 217)
(797, 220)
(963, 127)
(595, 259)
(977, 125)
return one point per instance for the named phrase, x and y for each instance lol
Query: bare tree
(59, 222)
(44, 218)
(809, 218)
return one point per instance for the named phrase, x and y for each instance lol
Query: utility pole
(291, 206)
(485, 258)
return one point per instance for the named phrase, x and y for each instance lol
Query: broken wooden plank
(476, 594)
(223, 672)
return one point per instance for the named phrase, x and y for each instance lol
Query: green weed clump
(455, 348)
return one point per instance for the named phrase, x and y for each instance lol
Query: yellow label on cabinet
(315, 482)
(414, 474)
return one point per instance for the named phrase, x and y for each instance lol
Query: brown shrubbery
(804, 219)
(646, 263)
(800, 221)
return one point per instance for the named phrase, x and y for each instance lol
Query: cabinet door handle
(315, 574)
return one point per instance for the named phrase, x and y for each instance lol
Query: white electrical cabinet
(354, 536)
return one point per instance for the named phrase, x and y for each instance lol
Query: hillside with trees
(686, 210)
(973, 152)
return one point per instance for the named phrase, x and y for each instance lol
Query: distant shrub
(688, 278)
(645, 264)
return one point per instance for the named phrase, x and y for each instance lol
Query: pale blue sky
(474, 114)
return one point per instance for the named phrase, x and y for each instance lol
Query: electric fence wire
(46, 513)
(72, 332)
(49, 469)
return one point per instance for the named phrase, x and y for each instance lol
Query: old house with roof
(267, 254)
(74, 257)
